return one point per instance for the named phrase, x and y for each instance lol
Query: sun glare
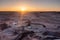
(23, 8)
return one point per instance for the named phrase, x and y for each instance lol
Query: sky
(31, 5)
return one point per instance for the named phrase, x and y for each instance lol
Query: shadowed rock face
(3, 26)
(38, 21)
(6, 16)
(49, 19)
(52, 18)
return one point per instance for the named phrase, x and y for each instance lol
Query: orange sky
(29, 9)
(30, 5)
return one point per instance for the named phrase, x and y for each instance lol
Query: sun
(23, 8)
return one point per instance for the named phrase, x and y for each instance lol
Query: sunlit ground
(22, 13)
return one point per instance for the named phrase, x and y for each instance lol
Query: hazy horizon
(30, 5)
